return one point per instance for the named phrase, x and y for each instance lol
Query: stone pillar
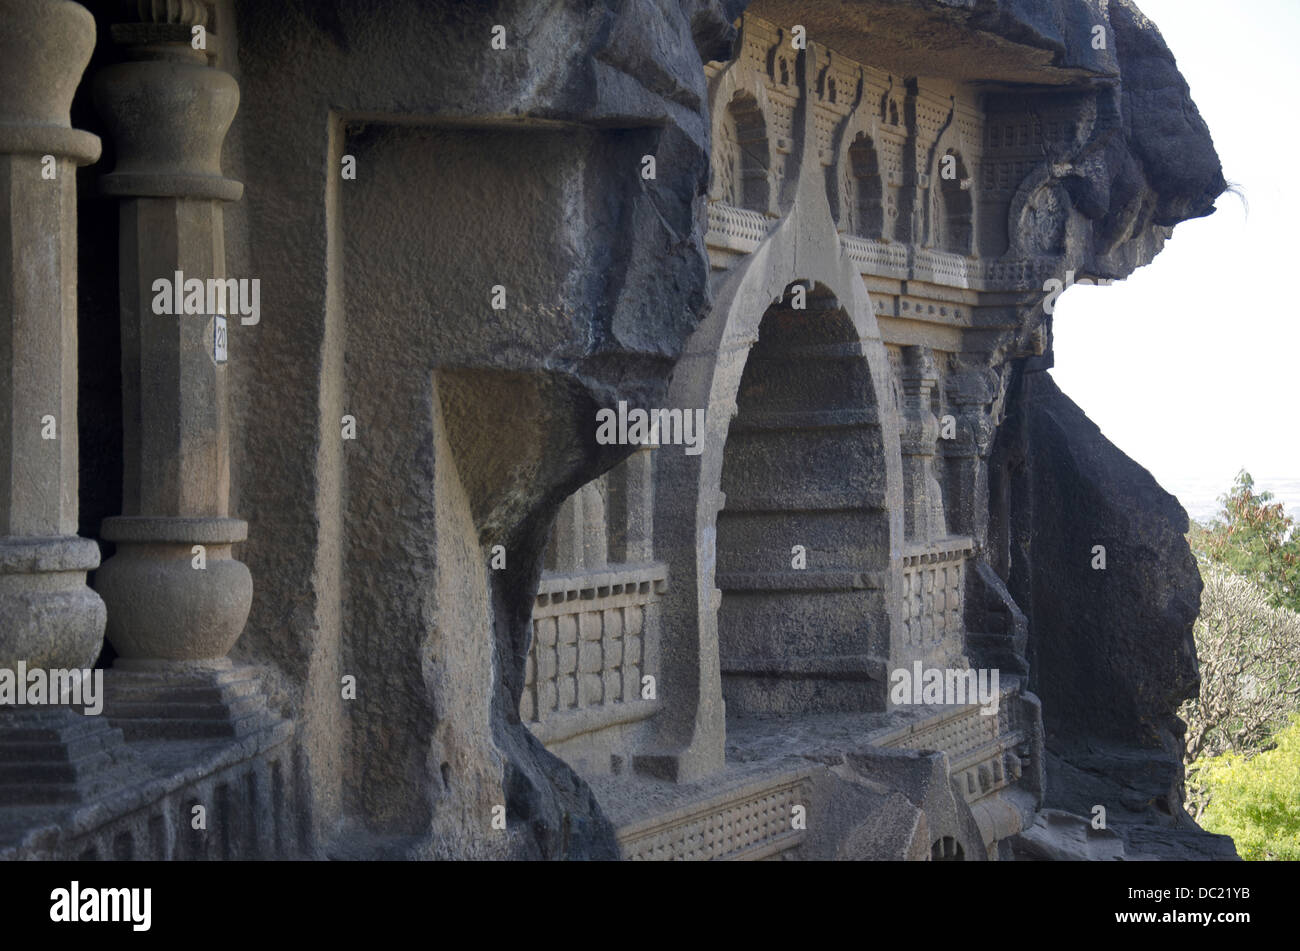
(595, 534)
(566, 537)
(49, 618)
(177, 598)
(923, 516)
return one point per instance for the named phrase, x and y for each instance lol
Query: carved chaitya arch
(1039, 216)
(946, 171)
(802, 533)
(864, 179)
(689, 488)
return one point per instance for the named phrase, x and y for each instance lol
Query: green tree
(1255, 537)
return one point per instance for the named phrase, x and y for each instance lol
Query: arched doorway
(803, 536)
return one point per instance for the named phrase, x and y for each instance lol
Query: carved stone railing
(883, 258)
(942, 267)
(595, 636)
(1015, 275)
(748, 823)
(905, 262)
(736, 229)
(247, 787)
(982, 748)
(934, 582)
(739, 229)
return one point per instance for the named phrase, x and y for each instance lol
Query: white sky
(1192, 365)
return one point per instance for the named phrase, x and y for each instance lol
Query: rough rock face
(1111, 650)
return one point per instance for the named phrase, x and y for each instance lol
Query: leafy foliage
(1243, 760)
(1255, 800)
(1255, 537)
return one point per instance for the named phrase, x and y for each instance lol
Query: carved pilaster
(923, 498)
(631, 509)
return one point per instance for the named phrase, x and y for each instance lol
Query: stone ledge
(557, 591)
(828, 667)
(557, 727)
(765, 582)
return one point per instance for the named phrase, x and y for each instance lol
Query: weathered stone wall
(386, 304)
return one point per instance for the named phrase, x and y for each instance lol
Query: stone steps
(58, 756)
(223, 702)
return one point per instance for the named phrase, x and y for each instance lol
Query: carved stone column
(923, 512)
(177, 598)
(49, 618)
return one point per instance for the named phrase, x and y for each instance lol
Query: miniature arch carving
(742, 155)
(855, 183)
(866, 189)
(954, 214)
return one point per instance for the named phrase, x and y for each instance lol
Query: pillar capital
(167, 109)
(44, 48)
(184, 13)
(162, 29)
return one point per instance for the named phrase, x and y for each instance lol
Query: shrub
(1255, 800)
